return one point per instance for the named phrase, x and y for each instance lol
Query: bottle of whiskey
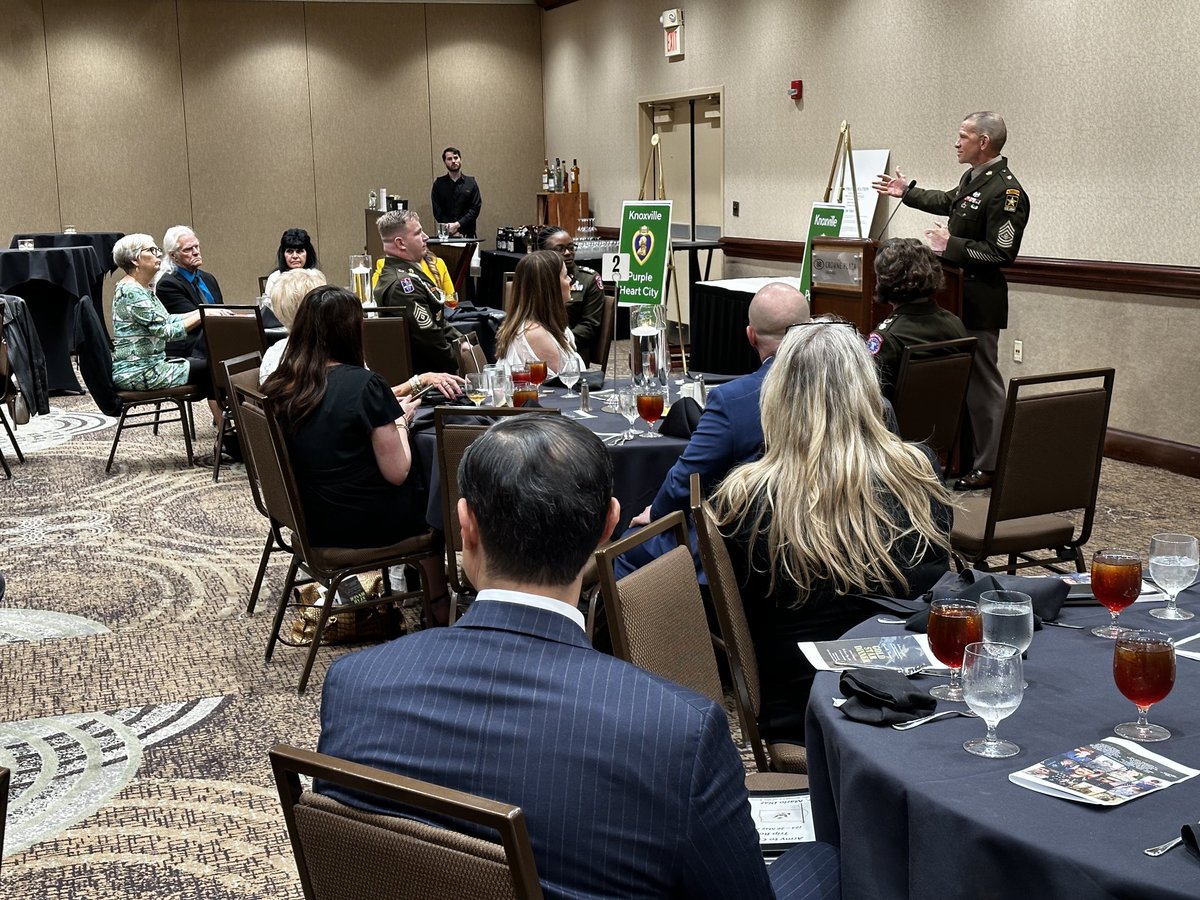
(546, 174)
(574, 176)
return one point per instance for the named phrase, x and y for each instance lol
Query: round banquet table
(639, 465)
(917, 816)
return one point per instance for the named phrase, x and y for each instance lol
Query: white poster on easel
(867, 164)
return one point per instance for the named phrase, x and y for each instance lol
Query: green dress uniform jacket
(434, 342)
(987, 215)
(918, 322)
(584, 311)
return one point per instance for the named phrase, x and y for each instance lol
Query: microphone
(899, 202)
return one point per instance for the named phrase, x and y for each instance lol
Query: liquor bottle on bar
(558, 175)
(546, 174)
(574, 176)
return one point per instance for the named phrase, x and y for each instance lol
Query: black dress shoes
(974, 481)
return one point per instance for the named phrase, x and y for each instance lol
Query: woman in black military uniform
(586, 305)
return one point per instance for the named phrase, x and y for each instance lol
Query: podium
(843, 283)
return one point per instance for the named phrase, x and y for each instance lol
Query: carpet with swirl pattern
(136, 709)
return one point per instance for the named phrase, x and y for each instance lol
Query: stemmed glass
(953, 624)
(537, 374)
(650, 406)
(524, 390)
(1174, 561)
(477, 387)
(1116, 582)
(627, 405)
(992, 687)
(1007, 619)
(1144, 670)
(569, 375)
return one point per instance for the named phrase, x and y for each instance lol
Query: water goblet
(991, 676)
(953, 624)
(650, 406)
(478, 387)
(569, 376)
(1174, 561)
(1144, 670)
(1116, 583)
(627, 406)
(1007, 619)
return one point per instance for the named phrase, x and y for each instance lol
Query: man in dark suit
(455, 197)
(631, 785)
(186, 287)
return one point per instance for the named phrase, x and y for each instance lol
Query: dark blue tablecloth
(917, 816)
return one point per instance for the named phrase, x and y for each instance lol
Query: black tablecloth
(916, 815)
(718, 321)
(639, 465)
(52, 280)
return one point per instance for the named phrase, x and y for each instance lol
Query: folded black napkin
(1047, 594)
(683, 418)
(882, 697)
(1191, 838)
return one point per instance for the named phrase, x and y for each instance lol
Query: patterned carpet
(137, 709)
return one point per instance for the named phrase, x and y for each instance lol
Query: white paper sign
(867, 164)
(615, 267)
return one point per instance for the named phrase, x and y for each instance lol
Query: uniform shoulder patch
(406, 285)
(874, 342)
(421, 314)
(1006, 235)
(1011, 198)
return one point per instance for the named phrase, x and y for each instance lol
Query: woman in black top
(346, 431)
(837, 507)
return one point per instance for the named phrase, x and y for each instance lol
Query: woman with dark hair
(295, 251)
(346, 431)
(907, 275)
(536, 326)
(586, 306)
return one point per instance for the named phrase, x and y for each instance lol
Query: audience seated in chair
(296, 251)
(630, 785)
(837, 507)
(286, 293)
(536, 324)
(183, 287)
(585, 309)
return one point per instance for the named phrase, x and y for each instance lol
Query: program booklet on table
(878, 652)
(1105, 773)
(783, 820)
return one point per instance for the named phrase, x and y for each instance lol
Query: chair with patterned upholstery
(236, 331)
(344, 853)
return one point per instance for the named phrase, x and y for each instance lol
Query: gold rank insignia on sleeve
(1011, 198)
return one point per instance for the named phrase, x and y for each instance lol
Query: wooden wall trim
(1183, 459)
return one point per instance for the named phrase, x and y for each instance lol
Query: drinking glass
(1144, 670)
(477, 387)
(991, 679)
(650, 406)
(450, 300)
(953, 624)
(627, 405)
(1116, 582)
(1174, 561)
(360, 276)
(569, 376)
(524, 390)
(1007, 619)
(537, 374)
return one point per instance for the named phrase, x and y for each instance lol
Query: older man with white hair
(183, 287)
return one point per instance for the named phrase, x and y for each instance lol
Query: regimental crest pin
(643, 245)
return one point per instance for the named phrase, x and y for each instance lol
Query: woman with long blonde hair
(837, 507)
(536, 325)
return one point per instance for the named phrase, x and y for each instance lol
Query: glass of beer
(650, 406)
(953, 624)
(1116, 583)
(1144, 670)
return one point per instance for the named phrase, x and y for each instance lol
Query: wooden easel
(843, 156)
(661, 194)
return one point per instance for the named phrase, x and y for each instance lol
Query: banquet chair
(345, 853)
(508, 288)
(931, 391)
(328, 566)
(1051, 449)
(180, 397)
(227, 336)
(475, 359)
(606, 330)
(243, 371)
(737, 642)
(458, 262)
(452, 442)
(386, 348)
(5, 387)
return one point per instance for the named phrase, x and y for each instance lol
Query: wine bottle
(546, 174)
(575, 176)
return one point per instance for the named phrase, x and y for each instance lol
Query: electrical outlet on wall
(1018, 352)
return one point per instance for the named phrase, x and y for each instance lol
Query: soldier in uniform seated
(586, 306)
(907, 275)
(405, 286)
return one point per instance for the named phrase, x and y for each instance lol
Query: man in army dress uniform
(987, 214)
(907, 275)
(586, 306)
(434, 342)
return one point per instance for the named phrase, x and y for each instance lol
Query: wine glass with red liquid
(1116, 582)
(953, 624)
(650, 406)
(1144, 670)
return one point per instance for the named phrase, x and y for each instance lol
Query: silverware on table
(945, 714)
(1163, 848)
(889, 620)
(1061, 625)
(908, 671)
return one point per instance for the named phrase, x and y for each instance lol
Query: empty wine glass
(992, 688)
(1007, 619)
(1144, 670)
(627, 405)
(569, 375)
(1174, 561)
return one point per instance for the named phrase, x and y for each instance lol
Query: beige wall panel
(28, 184)
(486, 98)
(249, 134)
(118, 117)
(370, 114)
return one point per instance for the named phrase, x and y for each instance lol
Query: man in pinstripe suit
(630, 784)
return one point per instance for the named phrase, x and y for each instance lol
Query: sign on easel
(825, 220)
(645, 247)
(867, 164)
